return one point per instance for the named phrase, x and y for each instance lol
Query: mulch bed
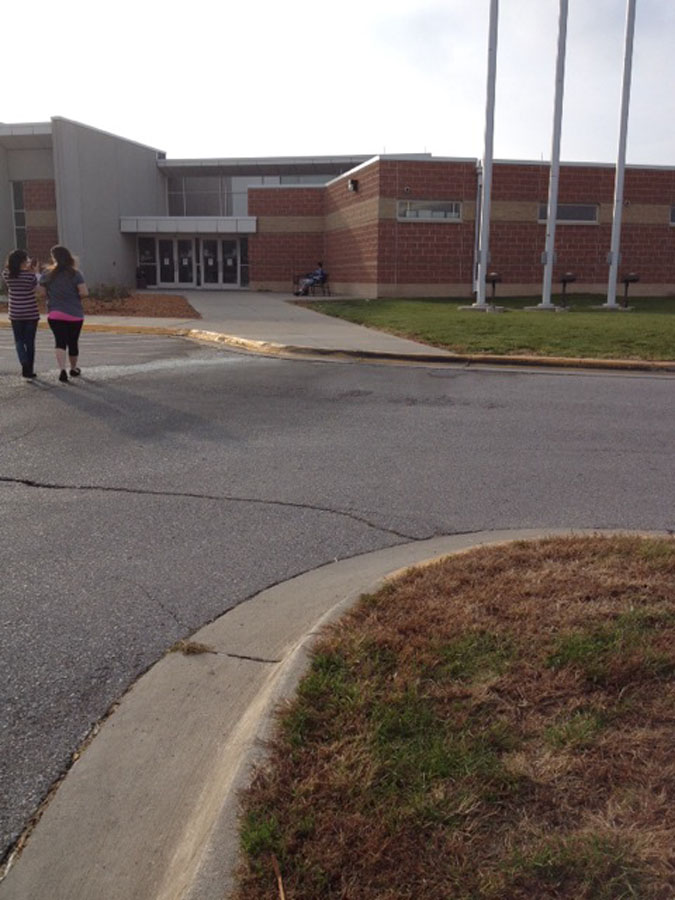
(163, 306)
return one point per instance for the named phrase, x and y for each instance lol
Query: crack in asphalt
(29, 482)
(164, 608)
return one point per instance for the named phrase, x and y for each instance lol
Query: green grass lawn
(646, 333)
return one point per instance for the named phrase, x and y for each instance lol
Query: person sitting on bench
(318, 276)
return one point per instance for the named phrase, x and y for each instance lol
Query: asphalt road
(172, 482)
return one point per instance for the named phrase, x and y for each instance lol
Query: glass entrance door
(201, 262)
(186, 267)
(167, 264)
(230, 262)
(210, 262)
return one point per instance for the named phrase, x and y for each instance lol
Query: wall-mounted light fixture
(353, 185)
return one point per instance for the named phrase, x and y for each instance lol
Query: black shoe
(63, 376)
(75, 372)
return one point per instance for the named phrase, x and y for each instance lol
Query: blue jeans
(24, 338)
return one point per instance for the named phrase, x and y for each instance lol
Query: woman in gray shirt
(65, 288)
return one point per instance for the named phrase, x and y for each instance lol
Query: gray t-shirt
(62, 294)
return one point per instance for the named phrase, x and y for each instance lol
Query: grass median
(498, 725)
(647, 332)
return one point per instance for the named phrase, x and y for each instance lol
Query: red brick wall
(362, 242)
(646, 248)
(428, 180)
(282, 257)
(40, 196)
(290, 201)
(277, 257)
(427, 252)
(352, 239)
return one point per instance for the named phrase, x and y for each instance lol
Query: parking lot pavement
(98, 350)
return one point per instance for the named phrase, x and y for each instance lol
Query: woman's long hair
(62, 261)
(14, 262)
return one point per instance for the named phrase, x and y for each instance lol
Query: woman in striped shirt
(21, 280)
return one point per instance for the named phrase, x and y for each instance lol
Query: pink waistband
(64, 317)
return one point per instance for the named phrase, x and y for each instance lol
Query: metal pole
(621, 160)
(476, 230)
(554, 177)
(484, 254)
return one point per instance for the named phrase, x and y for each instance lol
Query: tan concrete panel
(468, 210)
(289, 224)
(514, 211)
(354, 215)
(41, 218)
(387, 208)
(646, 214)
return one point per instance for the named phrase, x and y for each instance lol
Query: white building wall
(30, 165)
(99, 178)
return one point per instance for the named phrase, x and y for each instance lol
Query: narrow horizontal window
(571, 212)
(429, 210)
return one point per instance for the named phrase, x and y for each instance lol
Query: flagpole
(484, 248)
(554, 177)
(615, 244)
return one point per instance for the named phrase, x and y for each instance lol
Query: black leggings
(66, 335)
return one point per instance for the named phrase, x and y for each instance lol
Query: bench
(321, 288)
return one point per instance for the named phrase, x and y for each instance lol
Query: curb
(447, 358)
(149, 811)
(273, 348)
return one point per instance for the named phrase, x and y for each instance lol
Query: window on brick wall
(571, 212)
(19, 215)
(429, 210)
(672, 215)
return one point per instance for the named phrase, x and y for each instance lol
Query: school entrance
(192, 262)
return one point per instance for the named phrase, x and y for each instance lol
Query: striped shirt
(21, 291)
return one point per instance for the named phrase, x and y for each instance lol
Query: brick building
(381, 225)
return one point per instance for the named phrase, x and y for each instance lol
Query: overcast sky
(273, 78)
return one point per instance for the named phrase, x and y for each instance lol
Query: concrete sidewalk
(268, 322)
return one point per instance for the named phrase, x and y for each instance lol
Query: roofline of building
(259, 161)
(21, 129)
(117, 137)
(576, 164)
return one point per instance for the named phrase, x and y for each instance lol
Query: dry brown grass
(499, 725)
(168, 306)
